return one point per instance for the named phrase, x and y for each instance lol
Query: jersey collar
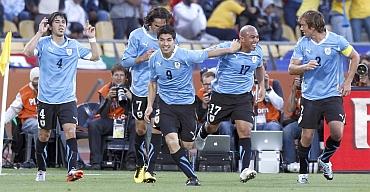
(173, 53)
(147, 34)
(63, 45)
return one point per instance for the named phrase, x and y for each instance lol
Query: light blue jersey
(325, 80)
(58, 67)
(174, 75)
(235, 72)
(139, 42)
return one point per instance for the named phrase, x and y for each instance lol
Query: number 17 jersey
(235, 72)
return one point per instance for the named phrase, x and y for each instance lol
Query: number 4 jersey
(58, 67)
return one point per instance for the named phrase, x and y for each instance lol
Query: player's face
(305, 29)
(249, 40)
(166, 44)
(118, 77)
(156, 24)
(58, 26)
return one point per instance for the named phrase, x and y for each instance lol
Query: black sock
(71, 153)
(245, 149)
(41, 155)
(203, 133)
(140, 149)
(303, 158)
(330, 148)
(154, 148)
(183, 162)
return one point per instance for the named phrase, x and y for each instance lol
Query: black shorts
(139, 105)
(47, 114)
(312, 112)
(223, 107)
(179, 119)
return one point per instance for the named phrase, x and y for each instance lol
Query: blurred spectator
(76, 30)
(222, 21)
(291, 130)
(268, 23)
(125, 15)
(13, 11)
(43, 8)
(202, 100)
(75, 13)
(290, 9)
(360, 18)
(1, 18)
(362, 76)
(308, 5)
(270, 109)
(339, 20)
(190, 21)
(97, 11)
(209, 6)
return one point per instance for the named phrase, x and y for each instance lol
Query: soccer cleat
(247, 174)
(139, 174)
(199, 142)
(74, 175)
(192, 182)
(40, 175)
(149, 178)
(326, 169)
(302, 179)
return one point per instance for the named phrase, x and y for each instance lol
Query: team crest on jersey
(254, 59)
(69, 52)
(327, 50)
(177, 65)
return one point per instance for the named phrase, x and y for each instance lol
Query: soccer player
(58, 56)
(319, 57)
(142, 43)
(231, 94)
(171, 71)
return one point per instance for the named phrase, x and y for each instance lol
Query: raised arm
(89, 31)
(31, 45)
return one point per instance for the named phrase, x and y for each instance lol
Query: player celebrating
(319, 57)
(58, 57)
(141, 44)
(171, 70)
(231, 95)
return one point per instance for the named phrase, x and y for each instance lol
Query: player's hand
(345, 89)
(147, 54)
(148, 112)
(89, 30)
(206, 98)
(311, 65)
(43, 26)
(235, 46)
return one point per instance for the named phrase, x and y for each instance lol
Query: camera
(362, 69)
(120, 93)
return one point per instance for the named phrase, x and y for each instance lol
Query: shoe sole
(77, 176)
(321, 165)
(249, 177)
(150, 180)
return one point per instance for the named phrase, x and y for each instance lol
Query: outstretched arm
(235, 46)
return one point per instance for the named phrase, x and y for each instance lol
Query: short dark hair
(314, 19)
(157, 13)
(208, 74)
(118, 67)
(167, 29)
(52, 17)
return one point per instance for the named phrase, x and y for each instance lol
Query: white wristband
(92, 40)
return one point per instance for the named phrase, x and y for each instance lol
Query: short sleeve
(298, 53)
(83, 53)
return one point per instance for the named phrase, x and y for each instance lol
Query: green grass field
(101, 181)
